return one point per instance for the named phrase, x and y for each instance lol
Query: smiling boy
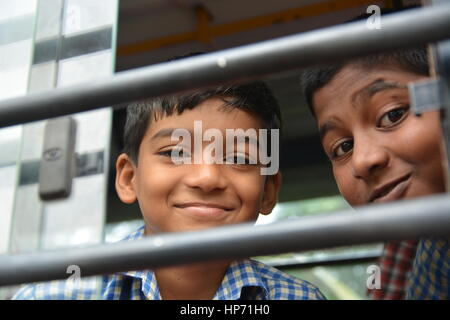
(381, 152)
(174, 196)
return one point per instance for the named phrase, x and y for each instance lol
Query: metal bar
(404, 29)
(388, 222)
(334, 260)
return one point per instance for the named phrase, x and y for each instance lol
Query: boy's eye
(392, 117)
(238, 159)
(342, 148)
(165, 153)
(175, 153)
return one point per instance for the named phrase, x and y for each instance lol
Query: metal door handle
(57, 167)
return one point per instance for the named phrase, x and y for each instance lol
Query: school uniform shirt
(430, 277)
(396, 262)
(245, 279)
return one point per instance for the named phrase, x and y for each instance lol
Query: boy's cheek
(350, 189)
(423, 140)
(344, 191)
(252, 194)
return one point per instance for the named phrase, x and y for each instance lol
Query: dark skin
(379, 150)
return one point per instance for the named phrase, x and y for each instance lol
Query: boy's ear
(125, 173)
(271, 189)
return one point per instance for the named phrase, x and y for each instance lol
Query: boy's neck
(191, 282)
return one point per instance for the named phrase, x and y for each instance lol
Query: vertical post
(440, 67)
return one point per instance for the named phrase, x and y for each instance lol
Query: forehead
(213, 113)
(352, 81)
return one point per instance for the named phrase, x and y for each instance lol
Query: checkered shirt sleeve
(431, 272)
(395, 263)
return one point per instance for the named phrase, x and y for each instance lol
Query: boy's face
(182, 197)
(379, 151)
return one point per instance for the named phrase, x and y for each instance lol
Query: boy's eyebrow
(365, 93)
(248, 139)
(327, 126)
(375, 87)
(166, 132)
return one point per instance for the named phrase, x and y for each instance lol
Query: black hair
(255, 98)
(412, 59)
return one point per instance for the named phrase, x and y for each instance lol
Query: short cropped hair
(255, 98)
(412, 59)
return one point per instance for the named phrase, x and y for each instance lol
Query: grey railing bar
(388, 222)
(332, 44)
(331, 260)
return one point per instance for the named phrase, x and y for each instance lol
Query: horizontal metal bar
(333, 260)
(408, 28)
(388, 222)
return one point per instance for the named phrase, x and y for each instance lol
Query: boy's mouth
(390, 191)
(202, 209)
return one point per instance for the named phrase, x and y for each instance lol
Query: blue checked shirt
(245, 279)
(431, 271)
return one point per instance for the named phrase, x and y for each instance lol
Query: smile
(205, 210)
(391, 191)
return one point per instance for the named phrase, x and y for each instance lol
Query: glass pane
(10, 9)
(85, 68)
(82, 15)
(49, 19)
(42, 76)
(10, 139)
(15, 59)
(8, 178)
(78, 219)
(17, 29)
(26, 227)
(93, 130)
(9, 144)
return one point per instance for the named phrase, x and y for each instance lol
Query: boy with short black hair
(180, 188)
(381, 152)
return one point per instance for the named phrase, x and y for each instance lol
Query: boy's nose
(207, 177)
(368, 158)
